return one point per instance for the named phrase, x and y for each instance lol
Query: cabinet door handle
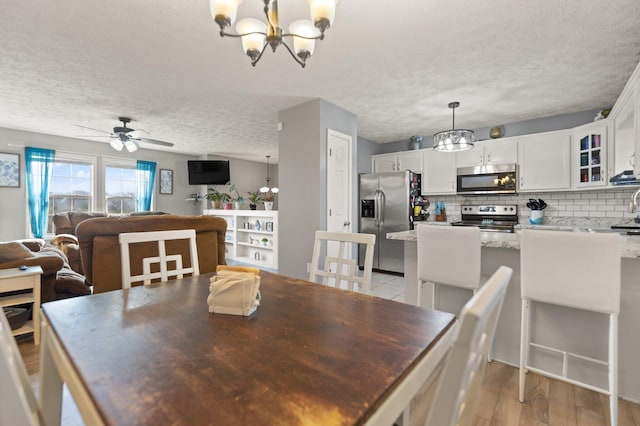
(393, 167)
(488, 158)
(521, 181)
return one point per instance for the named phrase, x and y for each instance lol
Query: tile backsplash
(590, 208)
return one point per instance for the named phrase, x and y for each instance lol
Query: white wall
(14, 222)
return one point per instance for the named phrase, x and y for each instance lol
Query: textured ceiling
(395, 65)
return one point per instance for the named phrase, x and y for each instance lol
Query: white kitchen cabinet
(589, 155)
(397, 162)
(252, 236)
(489, 152)
(438, 172)
(544, 161)
(624, 129)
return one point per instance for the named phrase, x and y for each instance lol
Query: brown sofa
(58, 280)
(100, 249)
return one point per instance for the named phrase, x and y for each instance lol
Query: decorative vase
(216, 204)
(268, 205)
(228, 206)
(495, 132)
(253, 206)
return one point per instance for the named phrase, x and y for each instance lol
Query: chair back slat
(459, 386)
(18, 404)
(342, 268)
(162, 260)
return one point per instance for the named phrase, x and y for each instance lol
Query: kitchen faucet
(633, 205)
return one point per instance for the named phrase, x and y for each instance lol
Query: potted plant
(239, 200)
(255, 198)
(268, 200)
(217, 197)
(265, 241)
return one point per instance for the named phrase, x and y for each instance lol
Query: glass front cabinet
(590, 155)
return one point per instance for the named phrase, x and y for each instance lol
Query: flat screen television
(208, 172)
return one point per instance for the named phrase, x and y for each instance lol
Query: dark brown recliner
(65, 229)
(100, 248)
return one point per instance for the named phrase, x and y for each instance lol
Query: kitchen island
(570, 329)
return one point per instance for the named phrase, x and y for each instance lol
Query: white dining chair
(18, 404)
(448, 255)
(342, 267)
(163, 260)
(579, 270)
(459, 387)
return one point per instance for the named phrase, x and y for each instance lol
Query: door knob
(346, 223)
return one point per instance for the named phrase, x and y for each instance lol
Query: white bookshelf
(252, 236)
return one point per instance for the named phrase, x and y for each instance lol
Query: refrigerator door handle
(381, 206)
(376, 207)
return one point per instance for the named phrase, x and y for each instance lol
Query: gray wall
(302, 177)
(366, 149)
(538, 125)
(14, 221)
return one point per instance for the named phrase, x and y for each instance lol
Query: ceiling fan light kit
(256, 35)
(455, 139)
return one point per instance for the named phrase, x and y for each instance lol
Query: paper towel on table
(233, 292)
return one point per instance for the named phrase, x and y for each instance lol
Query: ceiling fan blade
(92, 136)
(156, 142)
(136, 134)
(91, 128)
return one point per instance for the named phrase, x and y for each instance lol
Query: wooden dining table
(310, 354)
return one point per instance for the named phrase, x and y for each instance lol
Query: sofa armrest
(50, 264)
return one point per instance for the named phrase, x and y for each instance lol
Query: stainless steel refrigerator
(386, 205)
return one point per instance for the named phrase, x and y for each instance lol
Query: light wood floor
(548, 401)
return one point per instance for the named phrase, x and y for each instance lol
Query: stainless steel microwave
(489, 179)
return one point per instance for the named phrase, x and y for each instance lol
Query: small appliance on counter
(494, 218)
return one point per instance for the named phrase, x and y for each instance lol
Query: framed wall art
(9, 170)
(269, 226)
(166, 181)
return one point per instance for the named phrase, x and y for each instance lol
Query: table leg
(50, 382)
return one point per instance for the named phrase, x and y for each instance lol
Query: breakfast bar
(587, 328)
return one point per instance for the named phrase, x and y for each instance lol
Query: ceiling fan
(126, 137)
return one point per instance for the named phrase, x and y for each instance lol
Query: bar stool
(578, 270)
(448, 255)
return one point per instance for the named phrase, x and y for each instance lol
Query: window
(120, 188)
(71, 186)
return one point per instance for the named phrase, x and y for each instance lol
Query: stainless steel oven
(489, 179)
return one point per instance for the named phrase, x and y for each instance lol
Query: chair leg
(613, 368)
(524, 344)
(433, 295)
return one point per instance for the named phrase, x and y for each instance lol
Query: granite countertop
(630, 244)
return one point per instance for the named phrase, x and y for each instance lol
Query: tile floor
(387, 286)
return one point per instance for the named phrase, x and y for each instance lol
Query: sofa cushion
(69, 281)
(13, 251)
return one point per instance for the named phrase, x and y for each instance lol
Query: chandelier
(454, 139)
(267, 188)
(256, 35)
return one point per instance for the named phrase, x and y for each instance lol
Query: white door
(338, 187)
(338, 182)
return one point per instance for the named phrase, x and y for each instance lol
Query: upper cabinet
(624, 128)
(589, 147)
(397, 162)
(544, 161)
(488, 152)
(439, 172)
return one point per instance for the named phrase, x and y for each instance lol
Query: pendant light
(455, 139)
(267, 188)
